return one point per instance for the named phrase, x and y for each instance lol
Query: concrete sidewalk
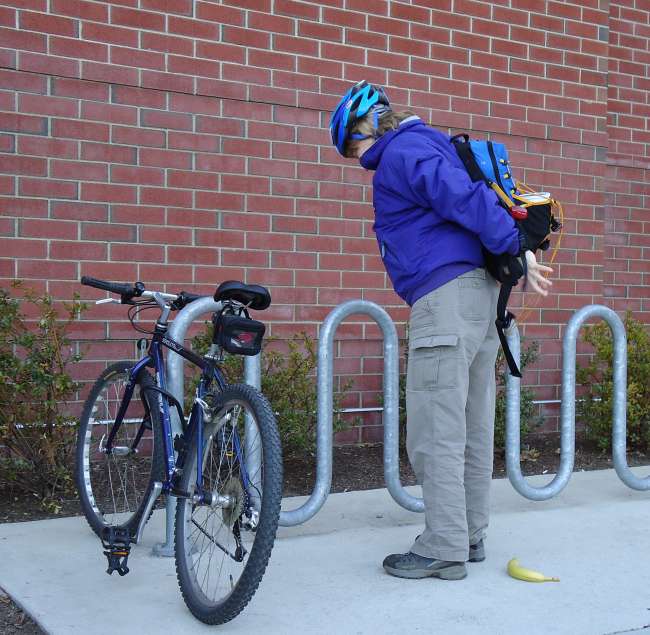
(325, 577)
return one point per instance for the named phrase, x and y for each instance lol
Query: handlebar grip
(120, 288)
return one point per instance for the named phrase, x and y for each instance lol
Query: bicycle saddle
(253, 295)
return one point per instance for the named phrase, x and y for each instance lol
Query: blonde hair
(390, 120)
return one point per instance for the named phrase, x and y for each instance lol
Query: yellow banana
(515, 570)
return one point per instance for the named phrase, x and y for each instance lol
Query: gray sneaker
(477, 552)
(410, 565)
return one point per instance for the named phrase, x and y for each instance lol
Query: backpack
(532, 212)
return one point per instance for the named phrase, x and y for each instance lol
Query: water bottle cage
(117, 547)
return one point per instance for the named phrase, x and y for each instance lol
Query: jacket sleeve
(435, 182)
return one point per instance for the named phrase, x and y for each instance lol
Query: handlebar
(129, 291)
(121, 288)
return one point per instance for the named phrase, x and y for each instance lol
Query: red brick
(51, 106)
(183, 7)
(192, 180)
(165, 196)
(111, 73)
(167, 43)
(45, 228)
(79, 89)
(109, 34)
(7, 184)
(46, 270)
(78, 250)
(19, 248)
(12, 164)
(110, 193)
(138, 19)
(73, 210)
(219, 238)
(193, 28)
(141, 59)
(192, 218)
(22, 40)
(23, 207)
(193, 142)
(108, 232)
(94, 11)
(107, 152)
(167, 120)
(138, 136)
(219, 200)
(296, 9)
(73, 47)
(245, 258)
(73, 169)
(47, 188)
(167, 81)
(219, 13)
(24, 82)
(37, 63)
(165, 158)
(193, 66)
(146, 253)
(48, 23)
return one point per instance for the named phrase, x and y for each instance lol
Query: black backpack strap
(503, 321)
(505, 317)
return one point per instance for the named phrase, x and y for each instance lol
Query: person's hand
(535, 277)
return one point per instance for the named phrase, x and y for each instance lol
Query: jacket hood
(371, 157)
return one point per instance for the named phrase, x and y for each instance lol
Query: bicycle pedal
(116, 542)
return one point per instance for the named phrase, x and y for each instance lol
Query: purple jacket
(430, 218)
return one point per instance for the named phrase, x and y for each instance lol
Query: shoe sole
(449, 573)
(477, 559)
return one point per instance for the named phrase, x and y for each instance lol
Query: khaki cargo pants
(450, 401)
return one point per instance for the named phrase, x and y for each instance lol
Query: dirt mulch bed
(362, 467)
(12, 619)
(359, 467)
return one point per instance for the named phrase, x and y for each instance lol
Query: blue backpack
(488, 161)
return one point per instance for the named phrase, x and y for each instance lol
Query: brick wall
(184, 142)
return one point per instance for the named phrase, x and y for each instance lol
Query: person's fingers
(537, 288)
(544, 268)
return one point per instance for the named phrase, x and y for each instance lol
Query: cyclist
(431, 222)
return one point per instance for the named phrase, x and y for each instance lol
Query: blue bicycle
(225, 468)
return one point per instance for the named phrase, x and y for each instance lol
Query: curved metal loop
(567, 413)
(513, 440)
(619, 406)
(324, 429)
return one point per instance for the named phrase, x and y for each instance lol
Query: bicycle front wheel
(114, 487)
(223, 546)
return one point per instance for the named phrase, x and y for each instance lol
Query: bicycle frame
(209, 373)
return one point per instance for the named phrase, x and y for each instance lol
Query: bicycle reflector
(237, 334)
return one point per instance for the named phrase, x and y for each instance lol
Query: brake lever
(108, 301)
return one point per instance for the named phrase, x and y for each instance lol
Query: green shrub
(595, 410)
(288, 382)
(36, 437)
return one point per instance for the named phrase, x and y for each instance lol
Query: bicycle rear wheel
(222, 549)
(114, 488)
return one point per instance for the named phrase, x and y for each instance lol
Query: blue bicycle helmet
(361, 99)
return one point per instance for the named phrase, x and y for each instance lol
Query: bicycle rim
(117, 485)
(223, 549)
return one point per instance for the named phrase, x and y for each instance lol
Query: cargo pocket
(433, 361)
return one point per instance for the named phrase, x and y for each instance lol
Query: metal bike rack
(567, 413)
(324, 431)
(175, 385)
